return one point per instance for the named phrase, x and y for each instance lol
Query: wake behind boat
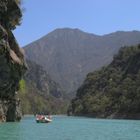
(43, 119)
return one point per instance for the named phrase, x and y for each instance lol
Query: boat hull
(43, 121)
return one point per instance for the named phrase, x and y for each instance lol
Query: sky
(94, 16)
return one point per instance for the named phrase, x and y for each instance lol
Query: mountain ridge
(69, 54)
(90, 33)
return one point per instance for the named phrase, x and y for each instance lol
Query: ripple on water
(71, 128)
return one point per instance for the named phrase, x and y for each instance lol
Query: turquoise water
(71, 128)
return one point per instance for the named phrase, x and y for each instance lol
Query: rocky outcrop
(12, 64)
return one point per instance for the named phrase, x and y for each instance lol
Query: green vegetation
(113, 91)
(22, 86)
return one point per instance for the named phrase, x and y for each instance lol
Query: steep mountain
(69, 54)
(39, 93)
(113, 91)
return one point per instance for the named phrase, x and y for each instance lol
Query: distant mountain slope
(113, 91)
(41, 93)
(69, 54)
(42, 81)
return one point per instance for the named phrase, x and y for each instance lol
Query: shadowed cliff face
(12, 65)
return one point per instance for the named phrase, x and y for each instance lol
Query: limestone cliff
(12, 65)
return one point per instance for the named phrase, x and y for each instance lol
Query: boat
(43, 119)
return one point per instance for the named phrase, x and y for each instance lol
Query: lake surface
(71, 128)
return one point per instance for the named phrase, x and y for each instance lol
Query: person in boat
(40, 117)
(49, 117)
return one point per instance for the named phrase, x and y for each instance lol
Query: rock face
(42, 81)
(12, 65)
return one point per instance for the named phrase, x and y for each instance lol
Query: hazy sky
(94, 16)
